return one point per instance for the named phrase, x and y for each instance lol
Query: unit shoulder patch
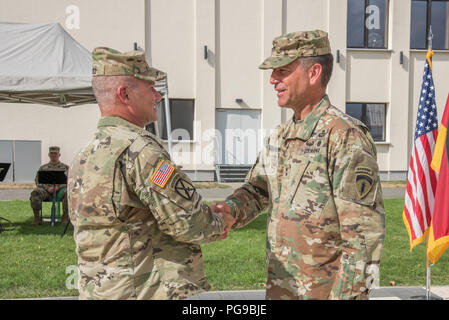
(363, 181)
(185, 189)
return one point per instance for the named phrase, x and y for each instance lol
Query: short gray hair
(326, 61)
(104, 87)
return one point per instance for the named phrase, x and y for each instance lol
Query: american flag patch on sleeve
(162, 174)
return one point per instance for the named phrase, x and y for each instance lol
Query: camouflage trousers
(39, 194)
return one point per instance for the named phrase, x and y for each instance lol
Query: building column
(272, 22)
(399, 126)
(205, 79)
(337, 36)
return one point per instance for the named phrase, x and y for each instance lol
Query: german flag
(439, 228)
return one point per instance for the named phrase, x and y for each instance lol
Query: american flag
(421, 179)
(162, 174)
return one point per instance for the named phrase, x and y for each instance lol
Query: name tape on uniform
(162, 174)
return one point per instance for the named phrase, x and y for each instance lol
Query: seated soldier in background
(45, 191)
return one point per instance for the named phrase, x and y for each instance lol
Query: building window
(426, 13)
(181, 120)
(367, 24)
(372, 115)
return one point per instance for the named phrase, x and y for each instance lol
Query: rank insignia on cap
(185, 189)
(363, 181)
(162, 174)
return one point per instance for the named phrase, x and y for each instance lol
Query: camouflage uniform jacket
(51, 167)
(135, 239)
(326, 223)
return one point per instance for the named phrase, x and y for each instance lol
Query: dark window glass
(181, 120)
(161, 127)
(426, 13)
(418, 24)
(372, 115)
(356, 24)
(439, 19)
(181, 112)
(367, 23)
(151, 128)
(354, 110)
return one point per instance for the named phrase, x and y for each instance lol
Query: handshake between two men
(225, 212)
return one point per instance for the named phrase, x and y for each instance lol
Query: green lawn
(400, 265)
(34, 260)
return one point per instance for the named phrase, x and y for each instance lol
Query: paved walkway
(15, 194)
(382, 293)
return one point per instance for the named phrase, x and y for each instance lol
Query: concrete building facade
(221, 103)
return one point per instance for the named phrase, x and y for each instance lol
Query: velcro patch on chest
(363, 181)
(162, 174)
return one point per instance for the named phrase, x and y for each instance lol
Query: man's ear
(122, 94)
(315, 72)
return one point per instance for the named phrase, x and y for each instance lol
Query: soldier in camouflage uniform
(138, 220)
(44, 192)
(318, 177)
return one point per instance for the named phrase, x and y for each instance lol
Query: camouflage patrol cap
(53, 149)
(288, 47)
(110, 62)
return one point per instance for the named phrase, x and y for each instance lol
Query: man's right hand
(225, 212)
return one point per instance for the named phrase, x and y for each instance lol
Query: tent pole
(168, 120)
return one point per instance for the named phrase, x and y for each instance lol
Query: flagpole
(428, 271)
(428, 70)
(428, 275)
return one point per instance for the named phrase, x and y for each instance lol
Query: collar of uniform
(303, 129)
(117, 121)
(155, 138)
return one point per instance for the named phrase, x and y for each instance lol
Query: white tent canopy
(41, 63)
